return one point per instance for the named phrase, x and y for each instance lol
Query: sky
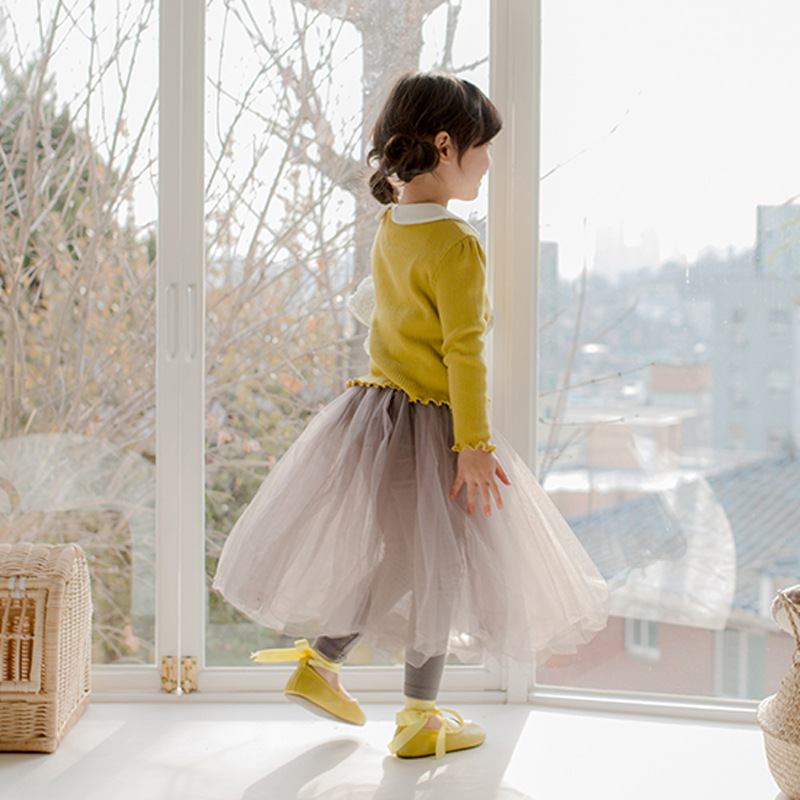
(677, 117)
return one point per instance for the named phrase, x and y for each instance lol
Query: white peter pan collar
(416, 213)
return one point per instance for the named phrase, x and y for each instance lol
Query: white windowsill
(224, 751)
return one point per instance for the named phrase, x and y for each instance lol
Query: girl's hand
(478, 469)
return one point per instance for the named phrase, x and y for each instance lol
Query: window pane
(292, 93)
(77, 291)
(669, 371)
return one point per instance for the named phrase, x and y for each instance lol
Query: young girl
(378, 522)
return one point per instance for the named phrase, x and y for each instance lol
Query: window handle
(172, 321)
(191, 322)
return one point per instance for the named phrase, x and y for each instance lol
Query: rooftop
(754, 507)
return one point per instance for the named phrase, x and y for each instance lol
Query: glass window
(292, 94)
(741, 663)
(77, 299)
(668, 360)
(780, 321)
(641, 639)
(738, 386)
(779, 382)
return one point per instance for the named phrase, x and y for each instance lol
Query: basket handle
(13, 494)
(791, 611)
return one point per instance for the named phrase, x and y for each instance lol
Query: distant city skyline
(675, 118)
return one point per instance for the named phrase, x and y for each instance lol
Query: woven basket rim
(769, 720)
(37, 560)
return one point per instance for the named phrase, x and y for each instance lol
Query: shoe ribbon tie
(301, 649)
(413, 721)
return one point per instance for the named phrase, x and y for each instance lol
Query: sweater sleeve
(463, 306)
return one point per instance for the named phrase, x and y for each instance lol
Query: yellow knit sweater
(431, 314)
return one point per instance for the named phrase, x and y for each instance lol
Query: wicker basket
(45, 644)
(779, 718)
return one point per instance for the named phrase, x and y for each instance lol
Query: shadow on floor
(288, 780)
(470, 775)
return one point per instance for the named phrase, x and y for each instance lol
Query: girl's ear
(444, 144)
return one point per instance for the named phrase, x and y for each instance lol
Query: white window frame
(513, 244)
(180, 367)
(513, 241)
(180, 371)
(511, 358)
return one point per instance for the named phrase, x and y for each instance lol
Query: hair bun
(408, 156)
(381, 189)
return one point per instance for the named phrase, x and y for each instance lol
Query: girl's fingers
(501, 473)
(481, 486)
(486, 498)
(497, 496)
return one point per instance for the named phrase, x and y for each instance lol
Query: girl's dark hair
(418, 107)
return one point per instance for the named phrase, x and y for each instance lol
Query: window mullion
(181, 311)
(168, 331)
(513, 238)
(513, 221)
(192, 366)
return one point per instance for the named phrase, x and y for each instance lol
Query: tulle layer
(354, 531)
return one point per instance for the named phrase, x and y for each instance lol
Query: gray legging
(421, 683)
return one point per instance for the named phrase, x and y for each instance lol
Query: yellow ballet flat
(413, 740)
(309, 689)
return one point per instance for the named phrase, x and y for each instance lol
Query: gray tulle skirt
(354, 531)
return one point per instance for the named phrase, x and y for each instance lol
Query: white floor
(216, 751)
